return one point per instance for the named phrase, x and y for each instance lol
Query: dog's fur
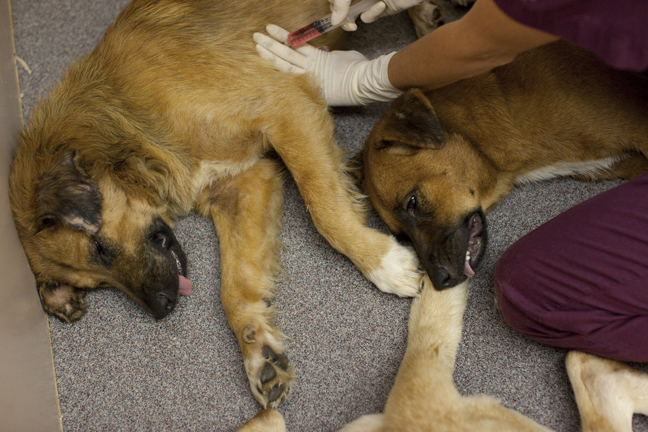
(425, 398)
(424, 395)
(436, 162)
(173, 111)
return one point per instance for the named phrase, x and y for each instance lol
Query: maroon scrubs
(615, 30)
(580, 281)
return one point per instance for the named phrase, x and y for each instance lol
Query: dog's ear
(411, 122)
(67, 195)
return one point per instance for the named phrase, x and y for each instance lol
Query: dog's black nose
(443, 277)
(164, 301)
(161, 305)
(162, 238)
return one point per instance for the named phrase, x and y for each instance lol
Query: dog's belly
(561, 169)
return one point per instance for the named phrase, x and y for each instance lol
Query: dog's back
(557, 94)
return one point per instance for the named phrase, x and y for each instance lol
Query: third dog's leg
(607, 392)
(267, 420)
(247, 215)
(307, 146)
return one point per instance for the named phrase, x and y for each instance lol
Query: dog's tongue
(468, 271)
(185, 286)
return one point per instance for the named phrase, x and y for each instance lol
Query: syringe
(323, 25)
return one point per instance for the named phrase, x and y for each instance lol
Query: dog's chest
(562, 169)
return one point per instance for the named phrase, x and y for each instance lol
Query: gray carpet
(119, 369)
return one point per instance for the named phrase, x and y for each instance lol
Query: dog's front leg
(607, 392)
(247, 215)
(304, 138)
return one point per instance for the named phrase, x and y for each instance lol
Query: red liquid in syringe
(309, 32)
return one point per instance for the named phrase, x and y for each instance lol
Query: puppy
(175, 111)
(437, 162)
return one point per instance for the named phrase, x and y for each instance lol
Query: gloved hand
(347, 77)
(340, 11)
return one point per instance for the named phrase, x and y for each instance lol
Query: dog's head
(425, 182)
(83, 231)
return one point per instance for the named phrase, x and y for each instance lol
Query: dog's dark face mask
(426, 184)
(79, 235)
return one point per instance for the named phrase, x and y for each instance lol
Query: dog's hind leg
(424, 396)
(247, 210)
(607, 392)
(304, 138)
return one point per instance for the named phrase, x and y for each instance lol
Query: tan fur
(461, 149)
(267, 420)
(173, 111)
(424, 397)
(455, 152)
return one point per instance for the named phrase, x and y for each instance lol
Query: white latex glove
(340, 13)
(340, 10)
(347, 77)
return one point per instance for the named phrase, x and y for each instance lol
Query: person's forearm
(483, 39)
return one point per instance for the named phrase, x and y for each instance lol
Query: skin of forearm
(483, 39)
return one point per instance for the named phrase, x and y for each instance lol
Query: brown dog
(435, 163)
(174, 110)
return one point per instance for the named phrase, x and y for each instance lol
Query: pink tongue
(468, 271)
(185, 286)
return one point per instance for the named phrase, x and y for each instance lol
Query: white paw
(398, 272)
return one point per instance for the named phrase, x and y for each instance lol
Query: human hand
(340, 11)
(346, 77)
(387, 7)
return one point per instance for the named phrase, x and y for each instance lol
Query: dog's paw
(271, 375)
(398, 272)
(63, 301)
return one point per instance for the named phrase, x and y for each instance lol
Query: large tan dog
(174, 110)
(437, 162)
(424, 397)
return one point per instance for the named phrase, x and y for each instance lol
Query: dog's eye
(411, 204)
(99, 248)
(106, 254)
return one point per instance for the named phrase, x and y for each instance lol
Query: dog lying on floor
(437, 162)
(173, 111)
(425, 398)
